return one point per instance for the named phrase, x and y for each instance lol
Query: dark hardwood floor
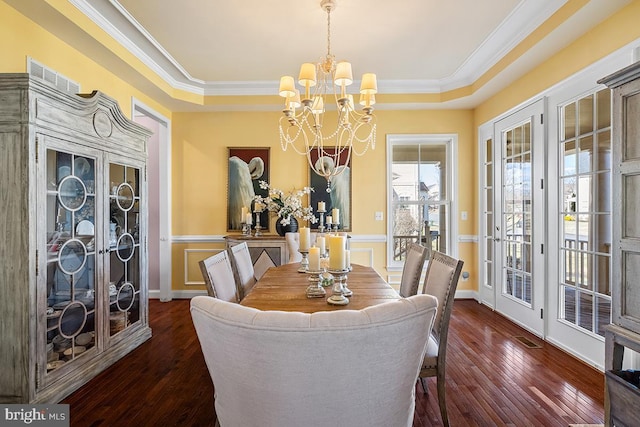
(493, 379)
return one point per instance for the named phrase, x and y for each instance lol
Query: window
(585, 212)
(419, 193)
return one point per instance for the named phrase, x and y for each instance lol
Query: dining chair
(246, 276)
(412, 270)
(293, 245)
(441, 281)
(218, 277)
(326, 368)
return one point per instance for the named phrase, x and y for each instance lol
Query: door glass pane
(487, 231)
(516, 219)
(124, 257)
(585, 216)
(70, 257)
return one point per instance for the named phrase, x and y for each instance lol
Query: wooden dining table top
(283, 288)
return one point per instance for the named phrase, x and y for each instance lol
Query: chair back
(441, 281)
(244, 268)
(412, 270)
(275, 368)
(218, 277)
(293, 245)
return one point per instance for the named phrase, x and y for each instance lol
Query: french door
(518, 217)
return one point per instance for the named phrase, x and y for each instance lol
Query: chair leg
(441, 399)
(423, 383)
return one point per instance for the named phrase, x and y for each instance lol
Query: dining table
(283, 288)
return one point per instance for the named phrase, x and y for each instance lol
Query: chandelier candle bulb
(335, 215)
(314, 259)
(305, 237)
(337, 254)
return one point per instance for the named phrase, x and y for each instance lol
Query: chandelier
(302, 126)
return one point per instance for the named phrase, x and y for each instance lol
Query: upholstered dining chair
(412, 270)
(293, 244)
(243, 265)
(441, 281)
(218, 277)
(327, 368)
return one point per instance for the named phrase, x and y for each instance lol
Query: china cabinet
(622, 393)
(73, 260)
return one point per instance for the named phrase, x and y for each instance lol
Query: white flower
(286, 205)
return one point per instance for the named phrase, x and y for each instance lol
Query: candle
(337, 255)
(347, 256)
(335, 215)
(305, 238)
(321, 244)
(244, 212)
(321, 206)
(328, 220)
(248, 219)
(314, 259)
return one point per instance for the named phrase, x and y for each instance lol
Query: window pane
(419, 196)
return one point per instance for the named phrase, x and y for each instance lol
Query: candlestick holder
(304, 263)
(258, 233)
(246, 229)
(338, 296)
(335, 228)
(321, 223)
(315, 289)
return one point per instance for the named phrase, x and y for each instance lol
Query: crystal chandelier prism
(324, 91)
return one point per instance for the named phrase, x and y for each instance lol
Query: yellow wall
(200, 142)
(21, 38)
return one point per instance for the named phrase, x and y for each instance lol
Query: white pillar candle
(248, 219)
(314, 258)
(244, 212)
(321, 206)
(337, 255)
(328, 221)
(305, 238)
(347, 257)
(321, 244)
(335, 215)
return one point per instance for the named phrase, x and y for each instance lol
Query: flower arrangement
(285, 205)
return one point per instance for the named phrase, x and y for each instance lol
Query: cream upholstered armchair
(347, 367)
(441, 281)
(412, 270)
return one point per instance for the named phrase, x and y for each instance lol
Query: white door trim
(164, 208)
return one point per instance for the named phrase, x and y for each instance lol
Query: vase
(292, 227)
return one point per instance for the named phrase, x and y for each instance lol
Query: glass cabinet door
(125, 274)
(70, 212)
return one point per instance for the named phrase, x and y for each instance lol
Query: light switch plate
(379, 216)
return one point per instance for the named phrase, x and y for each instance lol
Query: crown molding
(116, 21)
